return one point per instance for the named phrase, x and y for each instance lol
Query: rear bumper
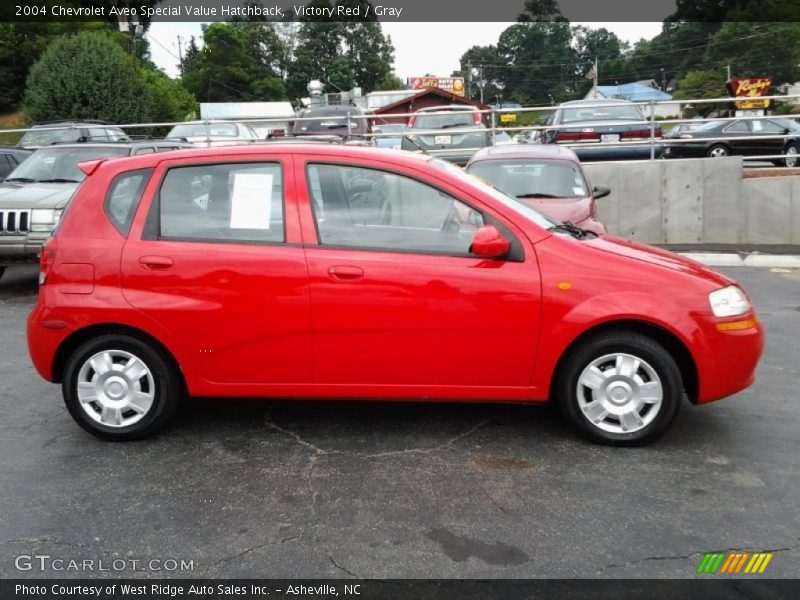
(45, 333)
(728, 362)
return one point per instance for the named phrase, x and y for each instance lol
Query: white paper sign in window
(251, 200)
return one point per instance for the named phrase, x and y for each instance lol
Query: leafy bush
(86, 76)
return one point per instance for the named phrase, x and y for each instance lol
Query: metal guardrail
(649, 123)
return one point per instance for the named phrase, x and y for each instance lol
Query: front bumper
(727, 362)
(21, 249)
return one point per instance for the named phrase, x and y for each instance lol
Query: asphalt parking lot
(269, 489)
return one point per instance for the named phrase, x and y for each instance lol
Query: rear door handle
(155, 263)
(345, 273)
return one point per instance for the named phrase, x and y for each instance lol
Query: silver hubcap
(791, 156)
(717, 152)
(115, 388)
(619, 393)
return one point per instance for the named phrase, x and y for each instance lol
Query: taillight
(476, 116)
(640, 134)
(575, 136)
(48, 258)
(411, 120)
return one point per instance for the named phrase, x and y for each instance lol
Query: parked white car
(220, 133)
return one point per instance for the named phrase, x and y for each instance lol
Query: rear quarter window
(123, 198)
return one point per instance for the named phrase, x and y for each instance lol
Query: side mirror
(488, 242)
(600, 191)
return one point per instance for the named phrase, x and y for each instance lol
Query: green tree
(168, 99)
(86, 76)
(342, 54)
(238, 62)
(701, 84)
(482, 66)
(678, 49)
(21, 45)
(539, 62)
(756, 50)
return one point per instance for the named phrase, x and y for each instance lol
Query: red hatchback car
(324, 271)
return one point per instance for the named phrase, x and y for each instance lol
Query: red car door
(214, 265)
(397, 301)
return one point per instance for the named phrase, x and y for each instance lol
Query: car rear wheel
(621, 389)
(718, 151)
(118, 387)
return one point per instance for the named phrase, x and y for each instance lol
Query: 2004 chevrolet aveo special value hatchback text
(323, 271)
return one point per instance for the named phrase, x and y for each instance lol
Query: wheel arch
(671, 342)
(75, 339)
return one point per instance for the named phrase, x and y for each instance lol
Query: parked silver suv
(454, 132)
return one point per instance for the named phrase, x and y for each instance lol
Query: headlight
(44, 219)
(728, 302)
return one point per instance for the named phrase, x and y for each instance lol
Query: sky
(420, 48)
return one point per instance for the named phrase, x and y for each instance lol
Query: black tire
(168, 387)
(718, 151)
(634, 344)
(787, 162)
(2, 271)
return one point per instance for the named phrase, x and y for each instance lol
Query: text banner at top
(339, 10)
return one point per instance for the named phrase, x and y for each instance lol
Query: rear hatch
(603, 132)
(458, 130)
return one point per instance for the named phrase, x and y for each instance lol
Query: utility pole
(469, 83)
(728, 68)
(482, 83)
(180, 54)
(595, 77)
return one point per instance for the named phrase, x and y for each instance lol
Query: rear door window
(222, 203)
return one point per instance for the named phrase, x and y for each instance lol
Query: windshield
(528, 178)
(434, 120)
(330, 121)
(48, 136)
(526, 212)
(612, 112)
(199, 130)
(61, 164)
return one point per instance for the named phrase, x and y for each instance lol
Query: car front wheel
(620, 388)
(118, 387)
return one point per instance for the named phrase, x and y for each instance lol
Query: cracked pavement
(368, 490)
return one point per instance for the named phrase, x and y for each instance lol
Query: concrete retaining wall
(697, 201)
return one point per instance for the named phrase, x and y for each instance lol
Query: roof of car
(351, 108)
(398, 157)
(70, 122)
(595, 102)
(551, 151)
(120, 144)
(446, 107)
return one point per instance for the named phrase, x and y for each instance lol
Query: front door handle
(345, 273)
(155, 263)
